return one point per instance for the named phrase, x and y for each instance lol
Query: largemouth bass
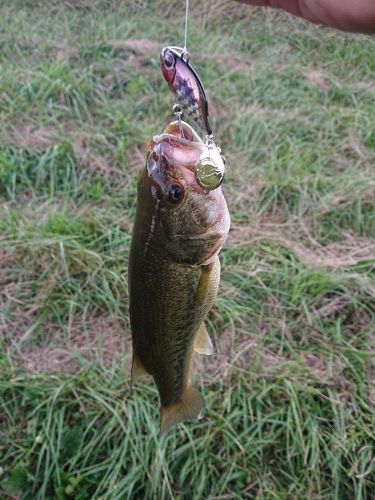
(174, 270)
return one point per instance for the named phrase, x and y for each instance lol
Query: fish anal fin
(190, 407)
(202, 342)
(138, 370)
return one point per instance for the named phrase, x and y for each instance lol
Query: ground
(290, 390)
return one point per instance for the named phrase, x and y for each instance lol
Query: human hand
(347, 15)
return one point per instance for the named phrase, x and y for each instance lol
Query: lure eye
(175, 193)
(169, 60)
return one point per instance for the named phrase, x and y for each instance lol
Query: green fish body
(174, 270)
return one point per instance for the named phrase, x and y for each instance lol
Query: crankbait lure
(184, 82)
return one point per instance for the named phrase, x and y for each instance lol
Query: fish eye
(175, 193)
(169, 60)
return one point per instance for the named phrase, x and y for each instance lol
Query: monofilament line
(186, 23)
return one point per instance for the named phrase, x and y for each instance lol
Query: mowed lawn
(290, 390)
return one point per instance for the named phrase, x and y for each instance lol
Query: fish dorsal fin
(190, 407)
(138, 370)
(202, 342)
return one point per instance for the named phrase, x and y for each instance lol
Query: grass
(290, 391)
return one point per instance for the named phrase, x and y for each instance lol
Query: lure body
(186, 85)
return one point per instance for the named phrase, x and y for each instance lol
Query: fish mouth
(209, 236)
(179, 144)
(198, 249)
(204, 246)
(179, 132)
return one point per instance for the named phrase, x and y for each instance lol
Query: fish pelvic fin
(138, 370)
(202, 342)
(190, 407)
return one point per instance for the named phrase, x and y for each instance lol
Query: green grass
(290, 391)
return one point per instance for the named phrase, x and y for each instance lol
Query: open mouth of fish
(181, 132)
(187, 150)
(185, 144)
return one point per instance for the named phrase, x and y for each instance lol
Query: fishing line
(177, 110)
(186, 24)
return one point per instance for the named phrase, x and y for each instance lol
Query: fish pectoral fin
(202, 342)
(190, 407)
(138, 370)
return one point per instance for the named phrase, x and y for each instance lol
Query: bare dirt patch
(42, 138)
(317, 78)
(6, 259)
(65, 51)
(33, 137)
(143, 47)
(367, 86)
(336, 255)
(90, 158)
(136, 160)
(332, 306)
(232, 111)
(331, 374)
(250, 356)
(135, 51)
(97, 340)
(355, 144)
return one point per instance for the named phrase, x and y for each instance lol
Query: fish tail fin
(190, 407)
(138, 370)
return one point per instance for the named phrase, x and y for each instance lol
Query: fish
(174, 270)
(184, 82)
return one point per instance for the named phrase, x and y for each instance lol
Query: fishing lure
(185, 83)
